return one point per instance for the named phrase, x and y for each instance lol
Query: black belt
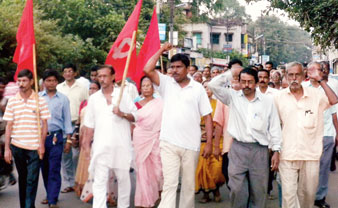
(54, 132)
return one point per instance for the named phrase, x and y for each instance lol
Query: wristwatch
(276, 151)
(319, 81)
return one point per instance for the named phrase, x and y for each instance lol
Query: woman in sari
(209, 175)
(146, 142)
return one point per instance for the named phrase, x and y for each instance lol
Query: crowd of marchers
(185, 129)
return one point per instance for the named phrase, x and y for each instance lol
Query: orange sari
(209, 171)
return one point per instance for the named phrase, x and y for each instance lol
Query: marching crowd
(188, 129)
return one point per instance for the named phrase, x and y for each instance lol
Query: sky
(254, 10)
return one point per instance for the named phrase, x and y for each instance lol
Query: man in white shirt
(83, 80)
(254, 124)
(108, 125)
(263, 81)
(263, 87)
(129, 88)
(76, 93)
(185, 101)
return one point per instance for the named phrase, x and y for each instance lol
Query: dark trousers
(27, 164)
(51, 167)
(333, 159)
(225, 165)
(271, 175)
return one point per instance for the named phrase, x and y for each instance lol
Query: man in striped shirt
(22, 139)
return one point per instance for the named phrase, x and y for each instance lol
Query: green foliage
(179, 19)
(230, 9)
(54, 48)
(284, 43)
(98, 20)
(207, 53)
(319, 17)
(77, 31)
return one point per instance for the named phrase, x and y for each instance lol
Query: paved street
(9, 197)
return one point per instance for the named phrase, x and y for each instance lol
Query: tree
(283, 43)
(53, 47)
(179, 18)
(229, 9)
(317, 17)
(98, 20)
(78, 31)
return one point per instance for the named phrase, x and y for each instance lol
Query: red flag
(150, 46)
(117, 56)
(23, 55)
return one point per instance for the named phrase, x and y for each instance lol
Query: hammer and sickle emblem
(118, 51)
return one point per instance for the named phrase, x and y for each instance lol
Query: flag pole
(126, 68)
(37, 99)
(161, 60)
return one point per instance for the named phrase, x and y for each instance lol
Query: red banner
(23, 55)
(117, 56)
(150, 46)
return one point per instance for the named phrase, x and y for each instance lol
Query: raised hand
(166, 47)
(314, 72)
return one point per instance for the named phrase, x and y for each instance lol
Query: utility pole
(158, 7)
(171, 25)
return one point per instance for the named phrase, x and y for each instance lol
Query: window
(228, 37)
(242, 41)
(215, 38)
(198, 37)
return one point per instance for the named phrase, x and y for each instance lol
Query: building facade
(218, 35)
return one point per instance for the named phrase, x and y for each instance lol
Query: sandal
(217, 199)
(204, 200)
(45, 201)
(67, 190)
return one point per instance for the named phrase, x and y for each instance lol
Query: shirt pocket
(257, 121)
(309, 119)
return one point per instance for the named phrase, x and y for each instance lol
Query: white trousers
(299, 183)
(101, 178)
(173, 159)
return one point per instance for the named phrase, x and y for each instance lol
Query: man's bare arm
(218, 134)
(87, 139)
(149, 68)
(8, 152)
(44, 129)
(209, 129)
(333, 99)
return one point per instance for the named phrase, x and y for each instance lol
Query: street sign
(175, 38)
(227, 47)
(188, 43)
(265, 58)
(162, 30)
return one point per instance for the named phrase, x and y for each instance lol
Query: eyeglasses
(250, 82)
